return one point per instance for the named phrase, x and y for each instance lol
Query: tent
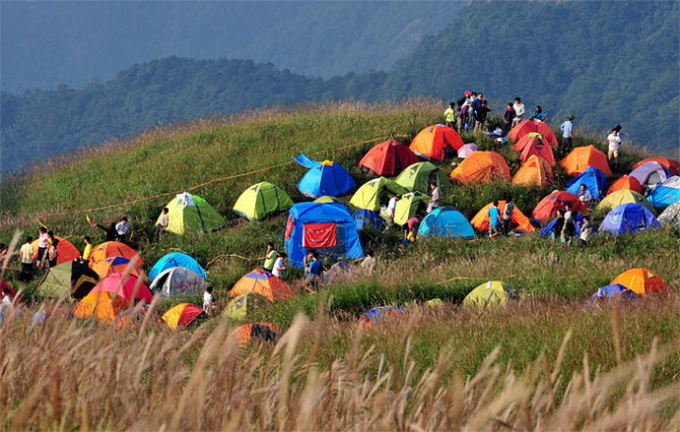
(177, 259)
(105, 306)
(243, 304)
(672, 165)
(263, 332)
(115, 249)
(327, 228)
(641, 281)
(408, 206)
(178, 282)
(533, 144)
(582, 158)
(626, 182)
(612, 291)
(191, 213)
(528, 126)
(388, 158)
(445, 222)
(629, 218)
(467, 150)
(115, 265)
(548, 231)
(481, 167)
(67, 252)
(536, 171)
(326, 199)
(620, 197)
(481, 219)
(377, 314)
(491, 294)
(671, 216)
(263, 283)
(594, 180)
(666, 193)
(374, 192)
(262, 200)
(551, 204)
(417, 177)
(323, 178)
(365, 218)
(433, 141)
(181, 315)
(649, 174)
(129, 287)
(70, 279)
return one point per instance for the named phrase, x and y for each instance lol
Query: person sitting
(538, 114)
(122, 229)
(369, 263)
(6, 297)
(584, 195)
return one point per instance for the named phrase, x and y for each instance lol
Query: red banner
(319, 235)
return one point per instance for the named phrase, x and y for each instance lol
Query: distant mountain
(48, 43)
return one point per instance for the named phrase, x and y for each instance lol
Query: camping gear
(366, 218)
(481, 219)
(666, 193)
(671, 216)
(481, 167)
(489, 295)
(641, 280)
(177, 259)
(594, 180)
(115, 249)
(377, 314)
(612, 291)
(261, 200)
(70, 279)
(323, 178)
(532, 144)
(417, 177)
(191, 213)
(445, 222)
(111, 265)
(629, 218)
(241, 305)
(67, 252)
(260, 332)
(528, 126)
(623, 196)
(182, 315)
(626, 182)
(263, 283)
(105, 306)
(551, 204)
(178, 282)
(536, 171)
(582, 158)
(408, 206)
(374, 192)
(327, 228)
(127, 286)
(467, 150)
(672, 165)
(388, 158)
(649, 174)
(433, 141)
(548, 231)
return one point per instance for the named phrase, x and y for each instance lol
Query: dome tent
(649, 174)
(177, 259)
(482, 167)
(445, 222)
(372, 193)
(594, 181)
(582, 158)
(481, 219)
(261, 200)
(433, 141)
(263, 283)
(178, 282)
(191, 213)
(666, 193)
(70, 279)
(388, 158)
(182, 315)
(672, 165)
(551, 204)
(641, 280)
(629, 218)
(536, 171)
(623, 196)
(323, 178)
(671, 216)
(528, 126)
(67, 252)
(626, 182)
(491, 294)
(417, 177)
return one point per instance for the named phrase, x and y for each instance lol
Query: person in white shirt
(614, 140)
(122, 229)
(26, 255)
(369, 263)
(518, 106)
(436, 196)
(163, 223)
(584, 195)
(208, 301)
(280, 265)
(567, 132)
(392, 209)
(6, 297)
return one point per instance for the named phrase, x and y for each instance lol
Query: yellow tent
(369, 195)
(491, 294)
(261, 200)
(192, 213)
(408, 205)
(622, 196)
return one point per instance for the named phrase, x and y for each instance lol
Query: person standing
(518, 106)
(587, 231)
(507, 216)
(43, 244)
(450, 116)
(508, 117)
(26, 255)
(314, 273)
(269, 257)
(163, 223)
(122, 229)
(209, 301)
(614, 141)
(52, 254)
(392, 210)
(494, 220)
(436, 196)
(280, 265)
(88, 248)
(480, 117)
(567, 132)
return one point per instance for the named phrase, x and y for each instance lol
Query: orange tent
(527, 126)
(481, 167)
(582, 158)
(388, 158)
(263, 283)
(536, 171)
(481, 219)
(434, 139)
(550, 205)
(672, 165)
(534, 145)
(67, 252)
(103, 305)
(641, 280)
(115, 249)
(626, 182)
(112, 265)
(266, 332)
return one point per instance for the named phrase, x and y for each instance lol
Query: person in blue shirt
(494, 220)
(538, 114)
(314, 272)
(567, 132)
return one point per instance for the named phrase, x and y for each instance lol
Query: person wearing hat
(567, 132)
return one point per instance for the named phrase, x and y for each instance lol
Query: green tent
(370, 194)
(416, 177)
(72, 278)
(261, 200)
(192, 213)
(408, 206)
(241, 305)
(491, 294)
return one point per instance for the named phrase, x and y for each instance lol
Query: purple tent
(650, 173)
(467, 150)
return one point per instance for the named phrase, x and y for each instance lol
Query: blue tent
(378, 313)
(548, 231)
(594, 180)
(629, 218)
(614, 290)
(666, 193)
(327, 228)
(323, 178)
(364, 218)
(445, 222)
(177, 259)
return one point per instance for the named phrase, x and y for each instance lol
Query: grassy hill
(554, 282)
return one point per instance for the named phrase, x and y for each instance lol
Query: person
(450, 115)
(280, 265)
(369, 264)
(567, 132)
(584, 195)
(559, 224)
(587, 231)
(435, 197)
(569, 226)
(122, 229)
(494, 220)
(307, 260)
(518, 106)
(314, 273)
(480, 116)
(411, 230)
(162, 225)
(209, 301)
(538, 115)
(508, 117)
(269, 257)
(52, 251)
(26, 255)
(614, 141)
(111, 234)
(463, 116)
(43, 244)
(6, 297)
(507, 216)
(392, 209)
(88, 248)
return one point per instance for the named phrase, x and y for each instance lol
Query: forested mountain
(47, 43)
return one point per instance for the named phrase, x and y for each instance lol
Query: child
(280, 265)
(122, 229)
(163, 223)
(43, 243)
(88, 248)
(209, 301)
(494, 220)
(314, 273)
(269, 257)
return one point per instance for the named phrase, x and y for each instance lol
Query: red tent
(527, 126)
(388, 158)
(550, 205)
(533, 144)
